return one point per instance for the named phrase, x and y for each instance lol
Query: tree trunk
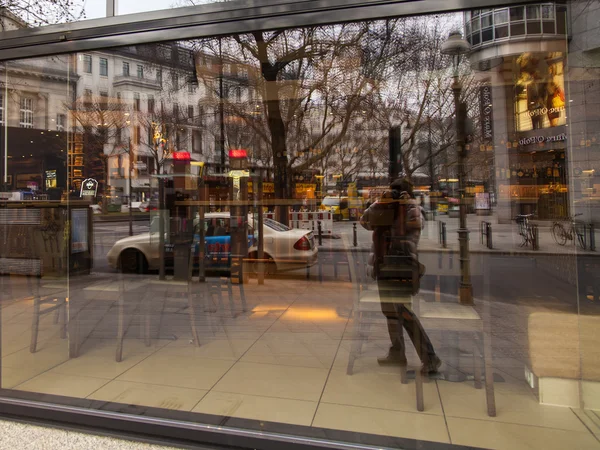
(278, 144)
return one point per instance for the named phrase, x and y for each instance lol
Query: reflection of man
(396, 224)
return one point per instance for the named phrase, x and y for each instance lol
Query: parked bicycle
(526, 230)
(573, 231)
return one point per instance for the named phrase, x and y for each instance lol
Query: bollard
(535, 243)
(354, 237)
(488, 235)
(442, 233)
(592, 238)
(320, 231)
(482, 230)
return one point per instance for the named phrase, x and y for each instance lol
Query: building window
(103, 100)
(238, 94)
(175, 80)
(87, 97)
(159, 77)
(1, 107)
(136, 101)
(150, 135)
(136, 135)
(191, 87)
(190, 113)
(125, 69)
(103, 67)
(151, 104)
(196, 141)
(140, 71)
(200, 116)
(26, 114)
(61, 121)
(87, 63)
(175, 112)
(119, 135)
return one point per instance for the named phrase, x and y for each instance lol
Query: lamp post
(130, 188)
(221, 111)
(456, 46)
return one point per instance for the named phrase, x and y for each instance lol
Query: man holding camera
(396, 222)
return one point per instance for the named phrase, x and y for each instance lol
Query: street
(500, 276)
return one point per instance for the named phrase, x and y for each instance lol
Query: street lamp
(455, 46)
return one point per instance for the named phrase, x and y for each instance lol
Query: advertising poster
(540, 91)
(79, 227)
(482, 200)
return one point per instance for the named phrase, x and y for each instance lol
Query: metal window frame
(240, 16)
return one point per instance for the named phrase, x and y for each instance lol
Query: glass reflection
(182, 229)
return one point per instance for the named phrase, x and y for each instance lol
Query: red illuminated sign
(181, 156)
(238, 153)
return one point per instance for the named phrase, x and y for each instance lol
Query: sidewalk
(17, 436)
(505, 237)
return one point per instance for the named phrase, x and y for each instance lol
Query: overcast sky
(96, 9)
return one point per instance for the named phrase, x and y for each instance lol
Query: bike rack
(485, 228)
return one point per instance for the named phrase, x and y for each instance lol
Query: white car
(284, 248)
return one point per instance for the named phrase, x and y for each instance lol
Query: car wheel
(133, 261)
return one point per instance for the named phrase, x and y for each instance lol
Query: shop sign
(89, 187)
(239, 173)
(544, 111)
(302, 188)
(50, 179)
(542, 139)
(140, 182)
(487, 120)
(268, 188)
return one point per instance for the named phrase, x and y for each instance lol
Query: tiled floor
(283, 361)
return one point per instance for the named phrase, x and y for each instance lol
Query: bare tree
(28, 13)
(309, 86)
(102, 120)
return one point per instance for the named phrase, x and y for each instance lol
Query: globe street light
(455, 46)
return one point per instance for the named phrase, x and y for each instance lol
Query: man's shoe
(393, 359)
(431, 367)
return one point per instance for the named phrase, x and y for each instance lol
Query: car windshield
(275, 225)
(331, 201)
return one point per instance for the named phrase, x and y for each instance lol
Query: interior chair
(446, 316)
(452, 317)
(367, 310)
(43, 305)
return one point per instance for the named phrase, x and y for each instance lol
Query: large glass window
(330, 231)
